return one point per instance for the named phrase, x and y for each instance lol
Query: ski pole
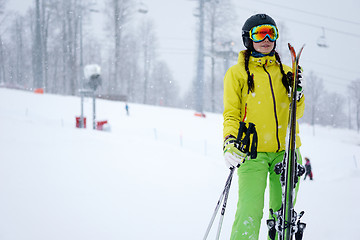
(224, 195)
(224, 206)
(244, 146)
(224, 192)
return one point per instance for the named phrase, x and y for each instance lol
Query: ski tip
(302, 48)
(289, 45)
(292, 52)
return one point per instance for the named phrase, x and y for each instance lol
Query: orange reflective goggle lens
(259, 33)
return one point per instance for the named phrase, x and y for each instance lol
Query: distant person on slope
(256, 90)
(127, 109)
(308, 169)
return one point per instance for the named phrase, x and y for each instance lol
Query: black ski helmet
(253, 21)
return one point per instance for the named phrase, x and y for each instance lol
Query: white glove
(232, 155)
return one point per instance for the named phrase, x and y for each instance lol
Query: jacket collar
(258, 61)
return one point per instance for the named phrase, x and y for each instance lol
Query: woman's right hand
(232, 155)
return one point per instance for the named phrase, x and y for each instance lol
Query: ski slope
(157, 174)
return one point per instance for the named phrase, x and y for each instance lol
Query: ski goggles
(259, 33)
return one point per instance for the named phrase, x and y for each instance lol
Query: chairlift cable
(352, 34)
(311, 13)
(348, 34)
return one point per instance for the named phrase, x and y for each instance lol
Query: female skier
(256, 90)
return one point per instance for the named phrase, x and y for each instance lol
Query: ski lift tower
(200, 62)
(92, 75)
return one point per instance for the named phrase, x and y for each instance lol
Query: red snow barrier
(39, 90)
(200, 114)
(100, 124)
(78, 119)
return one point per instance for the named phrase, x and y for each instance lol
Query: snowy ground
(156, 175)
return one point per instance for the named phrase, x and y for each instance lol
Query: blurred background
(175, 53)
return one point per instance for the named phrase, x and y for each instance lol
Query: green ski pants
(252, 184)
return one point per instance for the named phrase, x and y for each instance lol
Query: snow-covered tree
(119, 13)
(314, 89)
(354, 90)
(163, 91)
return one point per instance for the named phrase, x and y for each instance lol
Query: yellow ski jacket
(267, 107)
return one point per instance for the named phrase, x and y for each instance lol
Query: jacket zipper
(275, 112)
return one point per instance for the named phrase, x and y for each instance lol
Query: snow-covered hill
(157, 174)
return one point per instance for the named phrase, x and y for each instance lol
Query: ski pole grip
(241, 131)
(244, 146)
(251, 127)
(246, 139)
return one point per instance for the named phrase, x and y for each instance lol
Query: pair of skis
(286, 222)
